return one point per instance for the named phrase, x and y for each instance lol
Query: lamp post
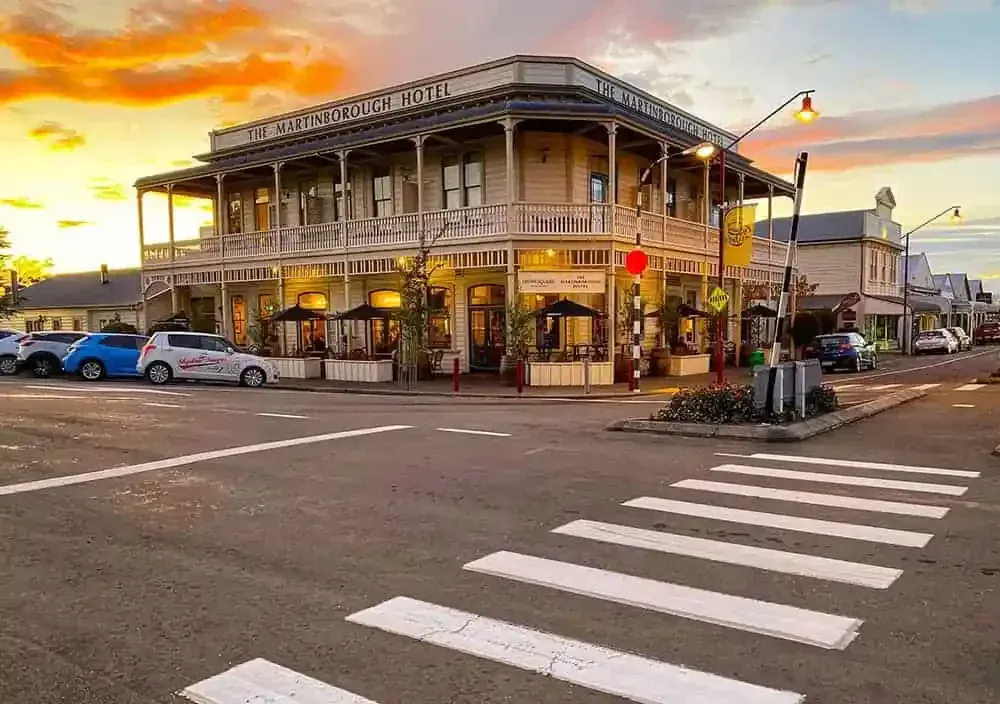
(956, 216)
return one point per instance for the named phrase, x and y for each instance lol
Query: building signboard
(561, 282)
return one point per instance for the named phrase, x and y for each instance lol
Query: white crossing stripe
(597, 668)
(872, 534)
(926, 387)
(970, 387)
(873, 576)
(822, 477)
(844, 387)
(262, 681)
(466, 431)
(857, 464)
(282, 415)
(885, 387)
(163, 405)
(963, 405)
(766, 618)
(808, 497)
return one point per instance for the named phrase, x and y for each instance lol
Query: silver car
(940, 341)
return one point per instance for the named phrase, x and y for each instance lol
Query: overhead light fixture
(704, 151)
(956, 215)
(806, 113)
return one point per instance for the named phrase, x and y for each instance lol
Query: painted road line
(853, 531)
(926, 387)
(949, 489)
(884, 387)
(104, 387)
(807, 497)
(595, 667)
(857, 464)
(762, 617)
(127, 470)
(844, 387)
(873, 576)
(163, 405)
(466, 431)
(963, 405)
(262, 681)
(282, 415)
(970, 387)
(952, 360)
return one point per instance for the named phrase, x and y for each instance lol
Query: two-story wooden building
(525, 173)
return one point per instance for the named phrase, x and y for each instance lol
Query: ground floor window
(239, 306)
(312, 333)
(881, 328)
(385, 331)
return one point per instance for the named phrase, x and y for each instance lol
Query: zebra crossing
(635, 676)
(857, 388)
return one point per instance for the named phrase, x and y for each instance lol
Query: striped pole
(636, 332)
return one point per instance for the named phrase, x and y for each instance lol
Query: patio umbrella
(297, 314)
(759, 311)
(365, 311)
(686, 311)
(567, 309)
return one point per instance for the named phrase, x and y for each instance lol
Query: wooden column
(142, 254)
(611, 220)
(173, 251)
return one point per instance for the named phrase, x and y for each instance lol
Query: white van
(196, 355)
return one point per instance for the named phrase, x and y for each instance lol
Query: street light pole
(907, 318)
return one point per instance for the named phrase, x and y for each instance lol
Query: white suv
(9, 340)
(196, 355)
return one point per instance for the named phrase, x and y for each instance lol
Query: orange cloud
(58, 137)
(70, 224)
(20, 203)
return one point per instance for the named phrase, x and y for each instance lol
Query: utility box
(793, 381)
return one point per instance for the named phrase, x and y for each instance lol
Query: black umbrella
(686, 311)
(567, 309)
(759, 311)
(297, 314)
(365, 311)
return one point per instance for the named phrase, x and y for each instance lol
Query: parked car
(104, 354)
(9, 340)
(194, 355)
(42, 352)
(940, 341)
(843, 350)
(964, 341)
(987, 332)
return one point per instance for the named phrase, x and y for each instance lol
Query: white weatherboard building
(526, 171)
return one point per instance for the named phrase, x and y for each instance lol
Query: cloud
(20, 203)
(873, 138)
(59, 137)
(105, 190)
(70, 224)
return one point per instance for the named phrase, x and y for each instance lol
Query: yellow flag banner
(739, 235)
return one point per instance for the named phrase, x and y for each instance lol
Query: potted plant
(669, 318)
(517, 339)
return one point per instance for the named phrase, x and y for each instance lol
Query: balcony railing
(555, 220)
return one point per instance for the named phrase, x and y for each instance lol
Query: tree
(414, 311)
(802, 288)
(8, 298)
(31, 271)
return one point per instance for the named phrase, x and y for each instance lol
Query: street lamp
(954, 217)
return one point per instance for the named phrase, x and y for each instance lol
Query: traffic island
(735, 423)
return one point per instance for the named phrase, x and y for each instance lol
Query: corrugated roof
(85, 290)
(819, 227)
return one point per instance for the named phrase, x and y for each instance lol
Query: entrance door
(487, 320)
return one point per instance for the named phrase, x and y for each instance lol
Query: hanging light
(806, 113)
(956, 216)
(704, 151)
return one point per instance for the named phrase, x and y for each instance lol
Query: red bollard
(454, 375)
(520, 376)
(631, 374)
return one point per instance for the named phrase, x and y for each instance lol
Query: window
(386, 299)
(462, 180)
(187, 342)
(262, 208)
(239, 307)
(265, 305)
(382, 192)
(873, 266)
(487, 295)
(384, 331)
(884, 260)
(57, 324)
(122, 342)
(439, 317)
(77, 325)
(235, 213)
(671, 196)
(214, 344)
(598, 188)
(310, 206)
(339, 211)
(33, 325)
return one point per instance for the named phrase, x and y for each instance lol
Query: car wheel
(159, 373)
(43, 367)
(8, 365)
(874, 364)
(252, 377)
(92, 370)
(858, 366)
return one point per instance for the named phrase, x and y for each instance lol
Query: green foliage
(518, 332)
(414, 310)
(734, 403)
(31, 271)
(7, 298)
(120, 327)
(822, 399)
(806, 328)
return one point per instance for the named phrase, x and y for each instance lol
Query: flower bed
(734, 404)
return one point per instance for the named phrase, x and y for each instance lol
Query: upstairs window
(462, 179)
(235, 213)
(382, 192)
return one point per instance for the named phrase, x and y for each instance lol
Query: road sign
(718, 299)
(635, 262)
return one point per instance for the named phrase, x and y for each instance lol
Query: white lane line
(281, 415)
(952, 360)
(807, 497)
(844, 387)
(873, 576)
(970, 387)
(884, 387)
(963, 405)
(853, 531)
(163, 405)
(597, 668)
(262, 681)
(926, 387)
(763, 617)
(90, 388)
(188, 459)
(856, 464)
(466, 431)
(845, 479)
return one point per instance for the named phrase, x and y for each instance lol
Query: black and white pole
(636, 300)
(786, 284)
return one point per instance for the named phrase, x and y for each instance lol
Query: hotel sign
(561, 281)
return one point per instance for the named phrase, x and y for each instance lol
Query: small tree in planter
(518, 331)
(412, 355)
(116, 325)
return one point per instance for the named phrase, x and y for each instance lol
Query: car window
(930, 334)
(66, 338)
(188, 342)
(214, 344)
(124, 342)
(5, 333)
(833, 340)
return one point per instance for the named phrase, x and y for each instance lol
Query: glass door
(487, 321)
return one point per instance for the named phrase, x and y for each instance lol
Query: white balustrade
(560, 219)
(462, 223)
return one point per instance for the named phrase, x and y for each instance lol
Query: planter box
(359, 371)
(569, 374)
(688, 364)
(297, 368)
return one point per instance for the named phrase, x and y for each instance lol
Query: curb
(465, 394)
(794, 432)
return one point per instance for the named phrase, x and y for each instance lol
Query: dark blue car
(842, 350)
(104, 354)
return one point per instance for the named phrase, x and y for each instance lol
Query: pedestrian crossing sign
(718, 299)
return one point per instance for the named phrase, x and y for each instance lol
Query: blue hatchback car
(104, 354)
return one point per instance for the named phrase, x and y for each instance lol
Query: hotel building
(525, 174)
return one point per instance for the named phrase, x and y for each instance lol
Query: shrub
(119, 327)
(734, 403)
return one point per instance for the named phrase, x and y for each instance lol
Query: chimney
(104, 273)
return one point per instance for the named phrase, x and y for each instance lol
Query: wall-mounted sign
(561, 281)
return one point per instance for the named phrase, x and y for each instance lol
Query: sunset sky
(95, 93)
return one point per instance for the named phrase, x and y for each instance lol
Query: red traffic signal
(636, 262)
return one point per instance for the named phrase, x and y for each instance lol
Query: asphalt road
(238, 525)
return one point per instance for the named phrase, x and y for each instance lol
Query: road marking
(970, 387)
(90, 388)
(595, 667)
(808, 497)
(763, 617)
(959, 358)
(465, 431)
(949, 489)
(262, 681)
(282, 415)
(127, 470)
(856, 464)
(844, 387)
(963, 405)
(853, 531)
(163, 405)
(926, 387)
(884, 387)
(857, 573)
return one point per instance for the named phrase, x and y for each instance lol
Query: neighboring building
(930, 309)
(85, 302)
(526, 169)
(855, 258)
